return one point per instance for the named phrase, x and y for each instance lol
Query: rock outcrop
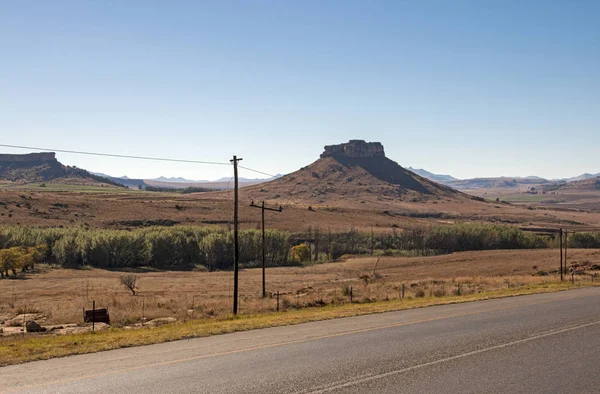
(28, 158)
(355, 149)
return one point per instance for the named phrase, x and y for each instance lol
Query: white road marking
(443, 360)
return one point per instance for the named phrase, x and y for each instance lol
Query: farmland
(60, 294)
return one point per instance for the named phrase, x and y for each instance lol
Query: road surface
(530, 344)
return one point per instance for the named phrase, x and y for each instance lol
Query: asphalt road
(547, 343)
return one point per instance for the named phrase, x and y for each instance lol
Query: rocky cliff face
(29, 158)
(354, 149)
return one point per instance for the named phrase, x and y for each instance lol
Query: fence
(186, 304)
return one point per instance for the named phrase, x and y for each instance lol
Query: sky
(466, 88)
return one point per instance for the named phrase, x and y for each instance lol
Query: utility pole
(263, 209)
(561, 253)
(236, 247)
(566, 247)
(372, 242)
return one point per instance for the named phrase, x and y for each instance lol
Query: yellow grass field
(61, 294)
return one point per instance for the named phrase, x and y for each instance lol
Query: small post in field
(351, 294)
(561, 253)
(93, 315)
(372, 242)
(143, 310)
(402, 290)
(277, 301)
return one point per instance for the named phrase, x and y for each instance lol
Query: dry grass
(62, 294)
(335, 211)
(14, 350)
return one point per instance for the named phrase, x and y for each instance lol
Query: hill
(357, 172)
(496, 183)
(43, 167)
(583, 177)
(445, 179)
(587, 184)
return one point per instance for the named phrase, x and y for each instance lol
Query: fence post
(93, 315)
(402, 290)
(277, 301)
(351, 295)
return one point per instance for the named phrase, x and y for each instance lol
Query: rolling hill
(431, 176)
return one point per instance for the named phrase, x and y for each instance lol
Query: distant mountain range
(431, 176)
(448, 180)
(177, 180)
(181, 183)
(478, 183)
(42, 167)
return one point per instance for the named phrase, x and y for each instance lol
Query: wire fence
(66, 315)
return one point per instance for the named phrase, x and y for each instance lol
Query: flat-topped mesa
(355, 149)
(28, 158)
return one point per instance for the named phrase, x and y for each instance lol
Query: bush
(115, 249)
(19, 258)
(67, 251)
(584, 240)
(419, 293)
(300, 253)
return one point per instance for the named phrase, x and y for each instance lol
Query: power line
(133, 157)
(258, 172)
(115, 155)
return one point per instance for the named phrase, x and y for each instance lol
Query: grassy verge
(15, 350)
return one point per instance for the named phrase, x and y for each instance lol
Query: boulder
(32, 326)
(19, 319)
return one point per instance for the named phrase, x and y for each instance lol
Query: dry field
(61, 294)
(129, 209)
(584, 200)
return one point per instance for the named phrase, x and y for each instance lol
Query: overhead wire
(258, 172)
(133, 157)
(116, 155)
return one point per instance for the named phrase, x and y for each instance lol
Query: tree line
(189, 247)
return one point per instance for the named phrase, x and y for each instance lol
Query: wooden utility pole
(236, 247)
(566, 247)
(372, 242)
(561, 253)
(263, 209)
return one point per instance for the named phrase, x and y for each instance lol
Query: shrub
(67, 251)
(584, 240)
(300, 253)
(129, 281)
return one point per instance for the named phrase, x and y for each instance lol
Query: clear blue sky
(470, 88)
